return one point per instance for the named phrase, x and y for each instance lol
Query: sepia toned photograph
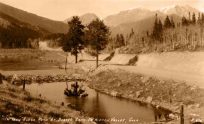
(101, 61)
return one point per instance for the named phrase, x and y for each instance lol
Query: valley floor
(149, 67)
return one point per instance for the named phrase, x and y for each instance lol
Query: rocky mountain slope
(141, 19)
(179, 10)
(128, 16)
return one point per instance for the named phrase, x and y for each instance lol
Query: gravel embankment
(168, 94)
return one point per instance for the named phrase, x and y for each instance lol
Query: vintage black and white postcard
(101, 61)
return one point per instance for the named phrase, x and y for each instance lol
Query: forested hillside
(34, 20)
(21, 29)
(167, 35)
(17, 34)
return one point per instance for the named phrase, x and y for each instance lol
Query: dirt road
(188, 67)
(189, 78)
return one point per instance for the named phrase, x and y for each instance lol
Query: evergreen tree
(202, 19)
(172, 23)
(193, 19)
(160, 27)
(199, 18)
(184, 22)
(117, 41)
(15, 36)
(160, 30)
(131, 33)
(120, 41)
(97, 36)
(157, 29)
(167, 23)
(74, 42)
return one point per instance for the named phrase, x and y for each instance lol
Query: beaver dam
(105, 108)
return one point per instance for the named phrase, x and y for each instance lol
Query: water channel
(96, 105)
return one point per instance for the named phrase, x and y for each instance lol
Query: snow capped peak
(182, 10)
(202, 10)
(134, 8)
(137, 9)
(165, 9)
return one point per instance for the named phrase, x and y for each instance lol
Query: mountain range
(179, 10)
(138, 14)
(139, 19)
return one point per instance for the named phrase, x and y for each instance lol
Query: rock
(115, 94)
(131, 95)
(197, 105)
(131, 92)
(144, 79)
(138, 93)
(119, 84)
(196, 120)
(14, 78)
(161, 82)
(106, 91)
(142, 99)
(193, 88)
(146, 89)
(149, 99)
(193, 115)
(190, 106)
(173, 116)
(194, 106)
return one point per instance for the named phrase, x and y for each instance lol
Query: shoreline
(114, 89)
(98, 90)
(28, 79)
(163, 108)
(117, 81)
(18, 105)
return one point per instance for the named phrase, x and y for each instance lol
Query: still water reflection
(96, 105)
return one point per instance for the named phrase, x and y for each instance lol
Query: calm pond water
(96, 105)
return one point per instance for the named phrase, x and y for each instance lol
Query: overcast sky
(62, 9)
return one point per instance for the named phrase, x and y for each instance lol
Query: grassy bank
(29, 59)
(18, 105)
(165, 93)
